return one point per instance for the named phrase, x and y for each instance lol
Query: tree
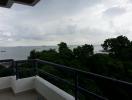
(105, 65)
(83, 52)
(65, 52)
(82, 55)
(83, 58)
(34, 54)
(50, 55)
(119, 47)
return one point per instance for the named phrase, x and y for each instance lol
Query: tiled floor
(7, 94)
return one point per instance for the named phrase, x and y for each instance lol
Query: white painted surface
(12, 83)
(5, 82)
(46, 89)
(23, 84)
(49, 91)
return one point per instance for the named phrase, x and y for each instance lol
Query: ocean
(22, 52)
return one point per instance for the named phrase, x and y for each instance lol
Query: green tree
(119, 47)
(83, 52)
(50, 55)
(34, 54)
(105, 65)
(65, 53)
(82, 55)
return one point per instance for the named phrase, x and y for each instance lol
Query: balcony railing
(111, 89)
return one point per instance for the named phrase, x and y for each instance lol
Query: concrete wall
(46, 89)
(49, 91)
(17, 85)
(5, 82)
(22, 84)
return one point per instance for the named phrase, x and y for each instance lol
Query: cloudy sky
(71, 21)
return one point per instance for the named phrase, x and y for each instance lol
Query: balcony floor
(7, 94)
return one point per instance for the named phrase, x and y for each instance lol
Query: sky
(75, 22)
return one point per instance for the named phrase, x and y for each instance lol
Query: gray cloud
(114, 11)
(52, 21)
(48, 10)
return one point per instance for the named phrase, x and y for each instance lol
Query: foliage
(120, 47)
(83, 52)
(116, 64)
(105, 65)
(5, 71)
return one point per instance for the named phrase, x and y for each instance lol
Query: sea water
(22, 52)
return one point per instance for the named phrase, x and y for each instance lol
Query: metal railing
(112, 89)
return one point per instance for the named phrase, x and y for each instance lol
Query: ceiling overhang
(9, 3)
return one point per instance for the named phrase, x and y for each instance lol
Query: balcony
(26, 79)
(7, 94)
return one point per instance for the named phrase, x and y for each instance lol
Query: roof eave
(32, 4)
(8, 4)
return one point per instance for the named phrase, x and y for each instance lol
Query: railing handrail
(96, 77)
(76, 72)
(93, 75)
(6, 60)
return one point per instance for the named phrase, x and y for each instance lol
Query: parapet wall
(43, 87)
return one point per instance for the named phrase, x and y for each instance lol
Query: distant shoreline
(43, 46)
(22, 52)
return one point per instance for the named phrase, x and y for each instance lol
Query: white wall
(5, 82)
(46, 89)
(24, 84)
(49, 91)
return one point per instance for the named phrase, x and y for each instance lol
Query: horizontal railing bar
(55, 65)
(23, 61)
(56, 77)
(80, 88)
(91, 93)
(6, 60)
(27, 69)
(89, 74)
(95, 77)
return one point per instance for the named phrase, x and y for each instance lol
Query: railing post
(17, 71)
(76, 85)
(36, 67)
(13, 67)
